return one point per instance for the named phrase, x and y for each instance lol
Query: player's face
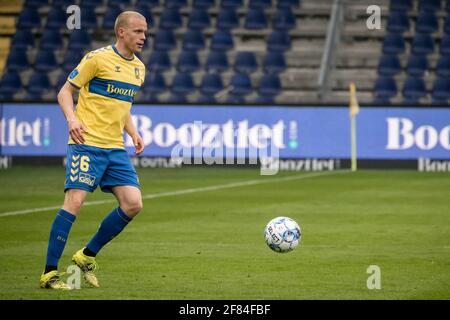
(134, 35)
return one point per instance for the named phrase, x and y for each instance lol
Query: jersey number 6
(84, 163)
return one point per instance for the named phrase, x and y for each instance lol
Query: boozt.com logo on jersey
(14, 132)
(127, 92)
(113, 89)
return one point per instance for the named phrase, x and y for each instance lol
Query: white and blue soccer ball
(282, 234)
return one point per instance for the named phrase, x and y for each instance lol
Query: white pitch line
(182, 192)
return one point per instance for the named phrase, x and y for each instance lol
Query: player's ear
(120, 32)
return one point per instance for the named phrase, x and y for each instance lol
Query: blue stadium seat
(23, 39)
(45, 61)
(427, 22)
(288, 3)
(193, 40)
(231, 3)
(35, 3)
(445, 44)
(62, 78)
(88, 18)
(159, 61)
(119, 3)
(178, 98)
(284, 19)
(405, 5)
(10, 84)
(389, 65)
(211, 84)
(29, 18)
(147, 97)
(34, 96)
(422, 43)
(235, 98)
(199, 19)
(430, 5)
(170, 19)
(413, 89)
(147, 13)
(38, 83)
(204, 98)
(110, 18)
(182, 84)
(79, 39)
(393, 44)
(188, 61)
(217, 61)
(441, 90)
(62, 3)
(245, 62)
(270, 85)
(72, 59)
(255, 19)
(170, 4)
(240, 84)
(227, 19)
(260, 4)
(274, 62)
(279, 41)
(148, 3)
(51, 40)
(443, 67)
(398, 22)
(222, 40)
(417, 65)
(447, 24)
(164, 40)
(56, 19)
(265, 99)
(17, 60)
(204, 4)
(90, 3)
(154, 83)
(384, 89)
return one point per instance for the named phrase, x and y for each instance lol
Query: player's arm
(133, 133)
(65, 100)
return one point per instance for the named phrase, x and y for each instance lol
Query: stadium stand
(417, 40)
(259, 50)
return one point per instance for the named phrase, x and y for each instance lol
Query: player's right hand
(76, 130)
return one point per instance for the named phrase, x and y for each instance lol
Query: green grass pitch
(208, 244)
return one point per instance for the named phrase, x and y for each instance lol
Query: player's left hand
(138, 144)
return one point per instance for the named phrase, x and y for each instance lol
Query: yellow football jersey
(108, 83)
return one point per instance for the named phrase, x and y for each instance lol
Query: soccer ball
(282, 234)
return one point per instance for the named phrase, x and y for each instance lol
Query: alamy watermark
(374, 280)
(208, 144)
(74, 19)
(373, 22)
(74, 280)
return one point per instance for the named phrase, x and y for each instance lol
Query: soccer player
(108, 79)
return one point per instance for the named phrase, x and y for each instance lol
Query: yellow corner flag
(354, 106)
(354, 109)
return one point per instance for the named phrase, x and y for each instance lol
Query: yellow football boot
(87, 265)
(52, 280)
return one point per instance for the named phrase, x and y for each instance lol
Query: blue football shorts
(87, 167)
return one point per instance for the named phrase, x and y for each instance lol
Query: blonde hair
(123, 19)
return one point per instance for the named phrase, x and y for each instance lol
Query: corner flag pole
(354, 109)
